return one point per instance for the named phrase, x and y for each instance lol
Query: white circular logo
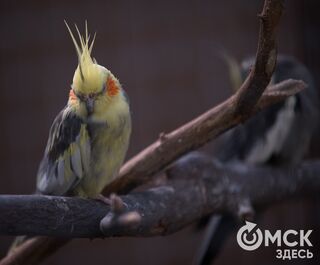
(249, 239)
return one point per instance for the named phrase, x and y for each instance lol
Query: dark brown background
(165, 54)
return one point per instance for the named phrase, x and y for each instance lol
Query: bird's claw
(115, 202)
(103, 199)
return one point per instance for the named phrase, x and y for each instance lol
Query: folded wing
(67, 155)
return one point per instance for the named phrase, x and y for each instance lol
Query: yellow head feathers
(89, 77)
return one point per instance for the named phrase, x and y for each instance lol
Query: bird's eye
(79, 96)
(104, 88)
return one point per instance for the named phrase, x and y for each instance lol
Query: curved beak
(90, 105)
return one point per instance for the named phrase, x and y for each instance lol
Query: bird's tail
(234, 69)
(218, 230)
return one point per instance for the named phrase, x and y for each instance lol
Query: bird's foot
(114, 201)
(120, 216)
(103, 199)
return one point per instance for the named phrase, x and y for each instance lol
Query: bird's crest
(88, 75)
(234, 68)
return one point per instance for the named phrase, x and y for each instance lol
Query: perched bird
(89, 138)
(278, 136)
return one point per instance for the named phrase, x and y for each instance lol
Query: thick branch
(197, 186)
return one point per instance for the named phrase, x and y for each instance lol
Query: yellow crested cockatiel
(89, 138)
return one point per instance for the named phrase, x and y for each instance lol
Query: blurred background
(165, 55)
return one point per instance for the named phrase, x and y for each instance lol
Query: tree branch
(198, 185)
(265, 61)
(33, 251)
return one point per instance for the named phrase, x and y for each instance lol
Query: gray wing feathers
(67, 156)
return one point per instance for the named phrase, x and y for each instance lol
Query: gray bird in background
(277, 136)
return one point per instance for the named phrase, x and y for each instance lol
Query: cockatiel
(277, 136)
(280, 134)
(89, 138)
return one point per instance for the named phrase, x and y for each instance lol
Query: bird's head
(93, 86)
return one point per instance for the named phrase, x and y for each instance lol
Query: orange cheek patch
(112, 88)
(72, 96)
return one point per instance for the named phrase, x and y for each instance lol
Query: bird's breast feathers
(83, 155)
